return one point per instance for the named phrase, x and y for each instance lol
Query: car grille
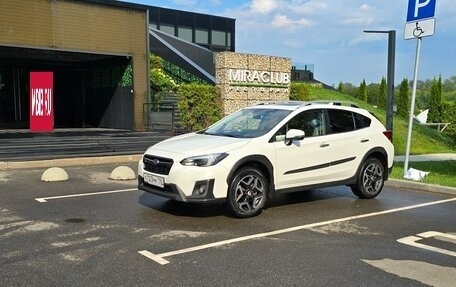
(158, 165)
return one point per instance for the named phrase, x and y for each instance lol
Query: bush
(299, 92)
(160, 82)
(200, 105)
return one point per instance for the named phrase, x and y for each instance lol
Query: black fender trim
(253, 160)
(375, 152)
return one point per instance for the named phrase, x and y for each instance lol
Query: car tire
(370, 180)
(247, 192)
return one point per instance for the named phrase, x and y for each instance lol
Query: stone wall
(247, 79)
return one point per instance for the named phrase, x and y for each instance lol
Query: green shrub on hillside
(299, 92)
(200, 105)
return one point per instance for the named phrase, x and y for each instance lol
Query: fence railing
(161, 117)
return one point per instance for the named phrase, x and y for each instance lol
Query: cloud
(308, 7)
(264, 6)
(362, 16)
(283, 21)
(365, 38)
(364, 8)
(366, 20)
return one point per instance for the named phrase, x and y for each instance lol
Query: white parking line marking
(159, 257)
(412, 241)
(45, 199)
(156, 258)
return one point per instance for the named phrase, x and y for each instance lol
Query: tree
(372, 93)
(435, 102)
(350, 89)
(362, 91)
(381, 100)
(402, 100)
(340, 88)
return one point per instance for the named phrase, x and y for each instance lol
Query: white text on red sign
(41, 102)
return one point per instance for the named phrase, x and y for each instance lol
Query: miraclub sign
(41, 101)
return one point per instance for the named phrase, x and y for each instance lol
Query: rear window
(340, 121)
(361, 121)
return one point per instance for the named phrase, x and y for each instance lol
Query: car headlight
(204, 160)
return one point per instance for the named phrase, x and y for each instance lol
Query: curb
(420, 186)
(70, 162)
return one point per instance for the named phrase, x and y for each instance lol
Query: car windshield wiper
(220, 134)
(227, 135)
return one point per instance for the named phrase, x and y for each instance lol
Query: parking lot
(93, 231)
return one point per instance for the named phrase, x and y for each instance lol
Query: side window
(361, 121)
(312, 122)
(340, 121)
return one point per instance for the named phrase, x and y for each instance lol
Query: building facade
(98, 52)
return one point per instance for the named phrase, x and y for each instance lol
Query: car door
(348, 144)
(303, 162)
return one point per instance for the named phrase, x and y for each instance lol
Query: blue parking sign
(420, 9)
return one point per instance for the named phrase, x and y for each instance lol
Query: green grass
(425, 140)
(441, 172)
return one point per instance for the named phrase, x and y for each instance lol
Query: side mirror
(294, 134)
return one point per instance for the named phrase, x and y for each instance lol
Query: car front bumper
(172, 191)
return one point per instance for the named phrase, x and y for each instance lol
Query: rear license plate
(154, 180)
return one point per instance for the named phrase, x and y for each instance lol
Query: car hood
(198, 144)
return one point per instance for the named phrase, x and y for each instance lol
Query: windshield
(248, 123)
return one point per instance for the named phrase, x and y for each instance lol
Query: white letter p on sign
(419, 5)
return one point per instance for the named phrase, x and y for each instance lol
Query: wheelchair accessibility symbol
(419, 29)
(417, 32)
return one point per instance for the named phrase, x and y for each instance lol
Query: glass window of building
(228, 39)
(218, 38)
(167, 28)
(185, 33)
(201, 36)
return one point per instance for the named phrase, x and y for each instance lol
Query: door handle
(364, 140)
(324, 145)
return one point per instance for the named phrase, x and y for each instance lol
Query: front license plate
(154, 180)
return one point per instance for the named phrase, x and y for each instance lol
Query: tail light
(389, 135)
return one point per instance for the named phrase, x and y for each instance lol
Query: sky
(328, 34)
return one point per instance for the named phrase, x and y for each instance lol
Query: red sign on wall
(41, 101)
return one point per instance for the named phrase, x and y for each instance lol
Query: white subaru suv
(270, 148)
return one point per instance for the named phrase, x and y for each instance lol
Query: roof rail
(335, 103)
(285, 102)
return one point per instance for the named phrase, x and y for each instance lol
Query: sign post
(420, 23)
(41, 101)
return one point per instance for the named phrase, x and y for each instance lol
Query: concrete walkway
(428, 157)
